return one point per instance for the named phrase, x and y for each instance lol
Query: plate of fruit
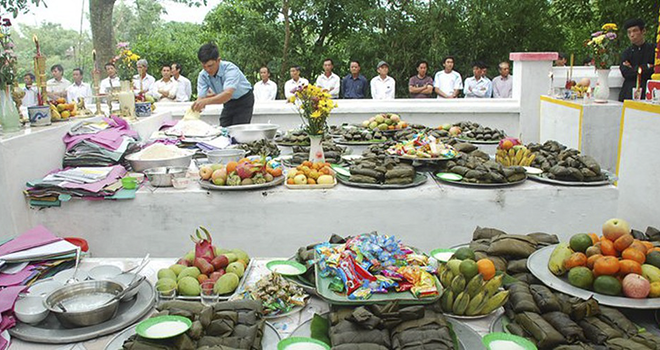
(616, 269)
(247, 174)
(310, 176)
(226, 268)
(385, 122)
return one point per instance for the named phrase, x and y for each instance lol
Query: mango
(219, 251)
(165, 284)
(190, 257)
(189, 286)
(236, 268)
(240, 254)
(177, 268)
(325, 180)
(651, 273)
(166, 273)
(231, 257)
(189, 272)
(226, 284)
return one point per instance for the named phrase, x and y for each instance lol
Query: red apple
(615, 228)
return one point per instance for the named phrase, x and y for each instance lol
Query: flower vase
(9, 117)
(602, 91)
(126, 100)
(316, 149)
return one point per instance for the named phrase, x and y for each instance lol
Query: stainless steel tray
(51, 330)
(478, 142)
(209, 186)
(468, 338)
(537, 264)
(478, 185)
(542, 178)
(268, 342)
(241, 283)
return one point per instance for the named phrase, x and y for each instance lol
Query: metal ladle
(73, 278)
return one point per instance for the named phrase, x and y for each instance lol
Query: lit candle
(639, 77)
(36, 42)
(96, 67)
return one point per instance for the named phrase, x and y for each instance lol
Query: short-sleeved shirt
(265, 91)
(354, 87)
(502, 87)
(228, 76)
(329, 83)
(54, 86)
(448, 82)
(382, 89)
(415, 81)
(143, 83)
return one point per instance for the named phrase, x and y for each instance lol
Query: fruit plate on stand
(51, 330)
(417, 159)
(476, 185)
(477, 142)
(419, 179)
(209, 186)
(268, 342)
(240, 286)
(537, 263)
(543, 177)
(468, 339)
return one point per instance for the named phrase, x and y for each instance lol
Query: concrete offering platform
(591, 128)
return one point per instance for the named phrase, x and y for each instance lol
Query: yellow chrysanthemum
(599, 39)
(291, 99)
(135, 57)
(316, 114)
(610, 26)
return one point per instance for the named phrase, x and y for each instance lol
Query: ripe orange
(311, 181)
(576, 259)
(231, 167)
(592, 259)
(290, 181)
(634, 254)
(629, 266)
(623, 242)
(647, 244)
(486, 268)
(637, 244)
(607, 265)
(607, 247)
(594, 237)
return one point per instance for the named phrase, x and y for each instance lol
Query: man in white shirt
(112, 81)
(479, 85)
(448, 83)
(142, 81)
(503, 83)
(265, 89)
(328, 80)
(78, 89)
(56, 87)
(184, 91)
(382, 85)
(164, 89)
(30, 99)
(295, 82)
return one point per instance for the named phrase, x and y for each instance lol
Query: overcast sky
(68, 13)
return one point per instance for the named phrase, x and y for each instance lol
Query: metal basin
(83, 302)
(140, 165)
(224, 156)
(162, 176)
(245, 133)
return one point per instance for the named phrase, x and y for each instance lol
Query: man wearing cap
(382, 85)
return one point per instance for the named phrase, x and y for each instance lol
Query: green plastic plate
(442, 254)
(302, 343)
(144, 326)
(286, 267)
(520, 341)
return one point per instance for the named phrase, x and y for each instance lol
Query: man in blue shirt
(222, 82)
(354, 85)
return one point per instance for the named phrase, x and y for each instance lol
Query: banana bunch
(471, 298)
(54, 113)
(518, 155)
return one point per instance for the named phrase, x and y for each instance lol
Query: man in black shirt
(639, 54)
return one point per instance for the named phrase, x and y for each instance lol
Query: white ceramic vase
(316, 149)
(602, 91)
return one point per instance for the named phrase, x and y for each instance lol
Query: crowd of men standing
(447, 83)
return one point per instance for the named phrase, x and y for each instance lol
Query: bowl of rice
(160, 155)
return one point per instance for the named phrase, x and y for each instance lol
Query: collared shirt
(482, 88)
(30, 99)
(354, 87)
(382, 89)
(73, 92)
(107, 84)
(170, 86)
(228, 76)
(638, 56)
(448, 82)
(142, 84)
(290, 85)
(54, 86)
(265, 91)
(184, 89)
(330, 83)
(502, 87)
(415, 81)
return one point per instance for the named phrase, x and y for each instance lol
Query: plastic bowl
(129, 182)
(104, 272)
(180, 183)
(43, 288)
(30, 309)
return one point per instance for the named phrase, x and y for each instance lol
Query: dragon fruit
(508, 143)
(203, 247)
(245, 170)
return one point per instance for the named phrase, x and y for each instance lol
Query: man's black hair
(267, 69)
(635, 22)
(178, 66)
(356, 61)
(329, 59)
(444, 60)
(424, 62)
(208, 52)
(479, 64)
(296, 67)
(30, 75)
(58, 67)
(79, 70)
(561, 56)
(109, 64)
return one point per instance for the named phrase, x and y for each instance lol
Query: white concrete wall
(278, 221)
(639, 163)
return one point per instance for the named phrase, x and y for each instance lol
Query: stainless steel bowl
(88, 293)
(245, 133)
(141, 165)
(224, 156)
(162, 176)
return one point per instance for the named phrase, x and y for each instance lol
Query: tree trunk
(103, 35)
(287, 37)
